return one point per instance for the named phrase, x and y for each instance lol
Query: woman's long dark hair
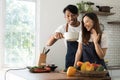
(85, 33)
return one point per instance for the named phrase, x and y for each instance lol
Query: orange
(71, 71)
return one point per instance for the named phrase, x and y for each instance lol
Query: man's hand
(54, 38)
(58, 35)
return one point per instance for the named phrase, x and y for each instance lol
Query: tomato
(95, 65)
(37, 70)
(47, 68)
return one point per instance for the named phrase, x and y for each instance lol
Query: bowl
(52, 67)
(71, 36)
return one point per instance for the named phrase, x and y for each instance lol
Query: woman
(92, 42)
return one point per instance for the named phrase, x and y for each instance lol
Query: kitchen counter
(26, 75)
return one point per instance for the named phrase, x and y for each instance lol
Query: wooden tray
(92, 73)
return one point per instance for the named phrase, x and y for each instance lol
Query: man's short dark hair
(72, 8)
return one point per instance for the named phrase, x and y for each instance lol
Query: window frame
(2, 25)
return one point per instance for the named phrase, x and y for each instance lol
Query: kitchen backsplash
(113, 53)
(113, 33)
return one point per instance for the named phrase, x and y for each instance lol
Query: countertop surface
(27, 75)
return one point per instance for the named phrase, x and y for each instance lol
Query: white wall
(51, 16)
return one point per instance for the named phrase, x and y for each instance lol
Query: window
(19, 33)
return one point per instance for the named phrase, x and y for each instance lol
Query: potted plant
(85, 6)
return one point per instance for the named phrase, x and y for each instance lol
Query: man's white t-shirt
(62, 29)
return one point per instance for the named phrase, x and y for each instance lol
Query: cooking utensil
(104, 8)
(43, 50)
(71, 36)
(47, 51)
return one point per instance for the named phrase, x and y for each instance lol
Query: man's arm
(51, 41)
(54, 38)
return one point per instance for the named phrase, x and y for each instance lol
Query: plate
(36, 70)
(39, 69)
(93, 73)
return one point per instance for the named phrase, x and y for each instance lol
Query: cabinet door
(115, 74)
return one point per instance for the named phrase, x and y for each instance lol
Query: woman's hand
(95, 36)
(100, 51)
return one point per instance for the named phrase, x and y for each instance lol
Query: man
(72, 25)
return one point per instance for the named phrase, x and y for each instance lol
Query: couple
(91, 45)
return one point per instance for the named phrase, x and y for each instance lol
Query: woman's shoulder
(104, 34)
(104, 42)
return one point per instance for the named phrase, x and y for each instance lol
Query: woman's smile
(88, 23)
(88, 28)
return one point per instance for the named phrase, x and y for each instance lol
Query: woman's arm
(100, 51)
(78, 54)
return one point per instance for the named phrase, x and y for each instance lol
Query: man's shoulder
(61, 28)
(62, 25)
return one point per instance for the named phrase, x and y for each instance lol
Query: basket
(92, 73)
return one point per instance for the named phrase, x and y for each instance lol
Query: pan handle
(98, 6)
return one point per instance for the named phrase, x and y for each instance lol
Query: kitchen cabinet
(114, 72)
(100, 13)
